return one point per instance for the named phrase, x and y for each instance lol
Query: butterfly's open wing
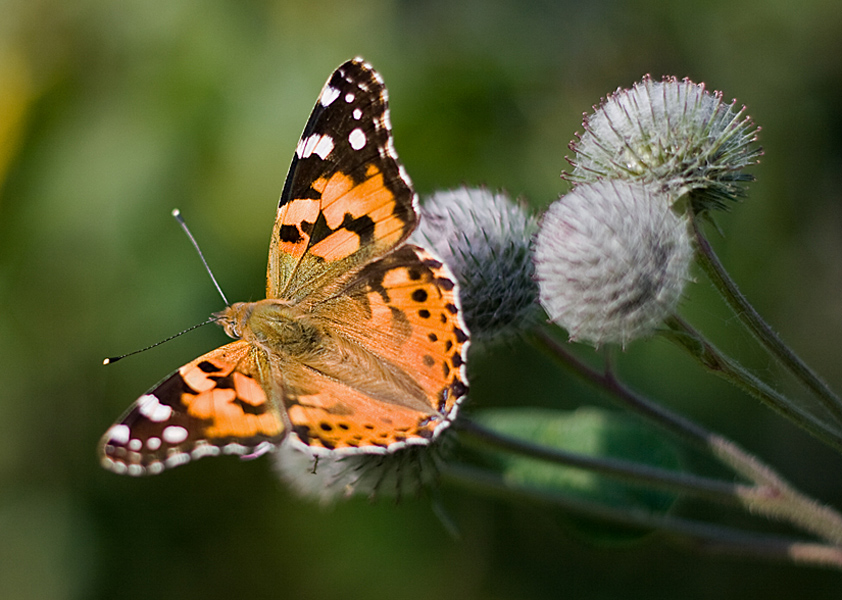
(346, 199)
(403, 370)
(217, 404)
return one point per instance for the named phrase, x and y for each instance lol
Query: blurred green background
(113, 113)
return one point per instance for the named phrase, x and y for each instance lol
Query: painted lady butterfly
(359, 346)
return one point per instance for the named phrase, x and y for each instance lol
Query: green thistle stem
(770, 495)
(690, 340)
(705, 487)
(759, 328)
(678, 425)
(700, 535)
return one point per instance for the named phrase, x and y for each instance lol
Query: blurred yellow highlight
(16, 95)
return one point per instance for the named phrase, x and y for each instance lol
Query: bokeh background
(113, 113)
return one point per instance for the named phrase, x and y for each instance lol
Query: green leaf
(595, 433)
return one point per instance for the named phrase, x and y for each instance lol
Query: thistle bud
(672, 132)
(612, 259)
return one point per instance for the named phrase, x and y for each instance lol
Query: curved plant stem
(698, 534)
(770, 495)
(708, 488)
(687, 338)
(762, 331)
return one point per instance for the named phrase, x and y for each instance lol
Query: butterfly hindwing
(346, 199)
(412, 291)
(403, 347)
(213, 405)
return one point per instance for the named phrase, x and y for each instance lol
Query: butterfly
(359, 346)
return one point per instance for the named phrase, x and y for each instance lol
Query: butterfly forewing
(346, 199)
(213, 405)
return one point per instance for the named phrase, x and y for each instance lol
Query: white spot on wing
(153, 443)
(204, 450)
(113, 465)
(357, 139)
(357, 114)
(323, 147)
(234, 448)
(305, 146)
(151, 408)
(328, 95)
(135, 445)
(182, 458)
(119, 434)
(404, 175)
(174, 434)
(349, 97)
(261, 449)
(318, 144)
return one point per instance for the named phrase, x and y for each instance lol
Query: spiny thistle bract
(612, 259)
(673, 132)
(330, 479)
(485, 239)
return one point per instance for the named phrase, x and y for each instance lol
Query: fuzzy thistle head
(612, 259)
(330, 479)
(485, 239)
(673, 132)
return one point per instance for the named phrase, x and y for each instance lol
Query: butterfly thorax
(274, 325)
(286, 332)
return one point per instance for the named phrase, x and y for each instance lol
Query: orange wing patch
(335, 417)
(212, 405)
(404, 309)
(359, 215)
(241, 411)
(221, 389)
(294, 223)
(417, 295)
(290, 240)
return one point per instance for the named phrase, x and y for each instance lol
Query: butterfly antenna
(113, 359)
(177, 214)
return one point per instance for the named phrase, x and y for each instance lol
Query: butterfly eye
(233, 318)
(229, 325)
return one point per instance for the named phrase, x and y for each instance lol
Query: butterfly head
(232, 318)
(273, 325)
